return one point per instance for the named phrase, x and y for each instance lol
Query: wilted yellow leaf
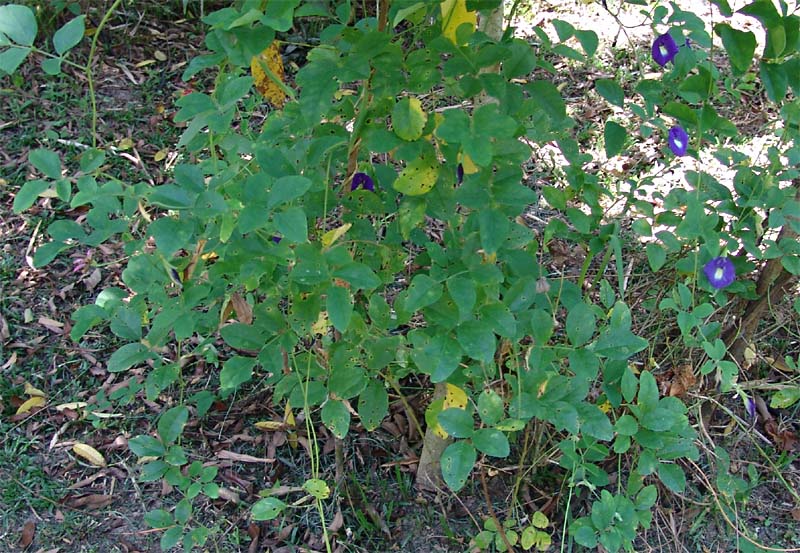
(418, 177)
(322, 324)
(455, 397)
(467, 164)
(31, 391)
(267, 70)
(72, 406)
(90, 454)
(271, 425)
(125, 144)
(454, 14)
(161, 155)
(333, 235)
(35, 401)
(432, 417)
(159, 55)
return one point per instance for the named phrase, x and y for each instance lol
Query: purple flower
(720, 272)
(460, 174)
(275, 238)
(750, 404)
(664, 49)
(678, 140)
(362, 180)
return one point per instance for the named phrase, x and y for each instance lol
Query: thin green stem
(89, 74)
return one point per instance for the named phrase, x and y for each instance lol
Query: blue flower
(362, 180)
(664, 49)
(720, 272)
(678, 140)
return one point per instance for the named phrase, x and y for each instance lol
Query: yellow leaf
(267, 70)
(455, 397)
(333, 235)
(125, 144)
(455, 14)
(161, 154)
(72, 406)
(321, 326)
(89, 453)
(35, 401)
(467, 164)
(31, 391)
(605, 407)
(432, 417)
(288, 417)
(270, 425)
(418, 177)
(159, 55)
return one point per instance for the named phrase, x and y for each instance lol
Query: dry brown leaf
(269, 61)
(683, 380)
(796, 514)
(241, 457)
(52, 325)
(26, 535)
(5, 333)
(90, 454)
(243, 310)
(90, 501)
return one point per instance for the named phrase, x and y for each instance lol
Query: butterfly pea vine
(303, 249)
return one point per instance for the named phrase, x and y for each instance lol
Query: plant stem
(89, 75)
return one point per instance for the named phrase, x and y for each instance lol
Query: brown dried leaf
(267, 69)
(796, 514)
(5, 333)
(26, 535)
(51, 325)
(683, 380)
(90, 501)
(243, 310)
(241, 457)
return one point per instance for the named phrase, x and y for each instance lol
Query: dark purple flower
(362, 180)
(460, 174)
(678, 140)
(664, 49)
(275, 238)
(720, 272)
(750, 403)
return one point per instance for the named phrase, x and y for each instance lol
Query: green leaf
(619, 343)
(615, 135)
(146, 446)
(171, 423)
(656, 256)
(611, 91)
(69, 35)
(463, 292)
(12, 58)
(292, 224)
(785, 397)
(588, 40)
(18, 23)
(626, 425)
(499, 319)
(373, 405)
(46, 161)
(490, 407)
(267, 508)
(494, 228)
(28, 194)
(648, 391)
(128, 356)
(740, 45)
(347, 379)
(280, 15)
(581, 324)
(359, 276)
(457, 422)
(594, 423)
(476, 340)
(672, 476)
(336, 417)
(286, 189)
(171, 234)
(457, 462)
(52, 66)
(159, 519)
(339, 304)
(521, 61)
(422, 291)
(127, 324)
(408, 119)
(491, 442)
(236, 371)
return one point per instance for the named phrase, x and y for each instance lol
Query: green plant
(330, 291)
